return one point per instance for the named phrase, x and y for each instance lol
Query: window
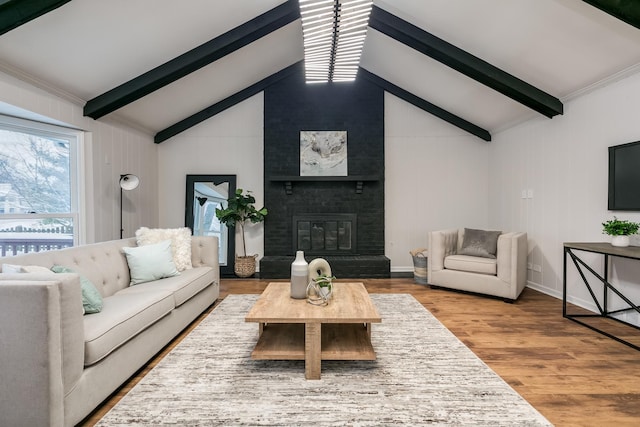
(39, 169)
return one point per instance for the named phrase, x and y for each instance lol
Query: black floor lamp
(127, 182)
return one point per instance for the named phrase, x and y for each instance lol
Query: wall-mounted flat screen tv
(624, 177)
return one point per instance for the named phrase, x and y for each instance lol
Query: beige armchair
(504, 276)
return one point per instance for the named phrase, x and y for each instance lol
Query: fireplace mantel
(288, 180)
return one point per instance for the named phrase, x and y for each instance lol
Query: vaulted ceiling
(164, 66)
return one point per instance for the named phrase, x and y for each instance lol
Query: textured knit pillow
(480, 243)
(150, 262)
(180, 243)
(91, 297)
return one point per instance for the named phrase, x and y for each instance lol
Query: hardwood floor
(572, 375)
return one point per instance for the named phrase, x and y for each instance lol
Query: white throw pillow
(11, 268)
(180, 243)
(150, 262)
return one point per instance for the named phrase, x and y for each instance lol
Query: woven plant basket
(419, 265)
(245, 266)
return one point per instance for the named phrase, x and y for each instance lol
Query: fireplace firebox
(320, 234)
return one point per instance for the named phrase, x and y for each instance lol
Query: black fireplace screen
(325, 234)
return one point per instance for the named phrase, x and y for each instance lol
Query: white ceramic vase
(620, 241)
(299, 276)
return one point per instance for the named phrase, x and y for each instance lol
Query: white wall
(564, 162)
(111, 149)
(229, 143)
(436, 177)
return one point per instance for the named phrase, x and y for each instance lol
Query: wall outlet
(524, 194)
(529, 266)
(537, 268)
(529, 194)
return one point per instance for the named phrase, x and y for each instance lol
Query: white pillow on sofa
(12, 268)
(180, 243)
(150, 262)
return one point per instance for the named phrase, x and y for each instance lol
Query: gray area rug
(423, 375)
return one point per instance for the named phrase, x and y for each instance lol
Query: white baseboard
(402, 269)
(558, 294)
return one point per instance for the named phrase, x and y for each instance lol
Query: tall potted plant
(240, 209)
(620, 230)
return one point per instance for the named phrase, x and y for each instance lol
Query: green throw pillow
(150, 262)
(91, 297)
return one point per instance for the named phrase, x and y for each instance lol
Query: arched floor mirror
(205, 193)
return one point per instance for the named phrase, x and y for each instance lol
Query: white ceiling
(88, 47)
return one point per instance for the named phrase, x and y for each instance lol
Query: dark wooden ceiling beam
(14, 13)
(464, 62)
(228, 102)
(193, 60)
(425, 105)
(625, 10)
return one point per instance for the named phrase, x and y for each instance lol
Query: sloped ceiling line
(228, 102)
(193, 60)
(627, 11)
(14, 13)
(425, 105)
(464, 62)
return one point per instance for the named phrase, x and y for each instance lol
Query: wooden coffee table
(292, 329)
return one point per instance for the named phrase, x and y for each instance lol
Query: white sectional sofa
(58, 364)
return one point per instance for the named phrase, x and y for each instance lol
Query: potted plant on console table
(240, 209)
(620, 230)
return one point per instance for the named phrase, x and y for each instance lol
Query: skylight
(334, 33)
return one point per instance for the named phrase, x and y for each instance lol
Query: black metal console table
(607, 250)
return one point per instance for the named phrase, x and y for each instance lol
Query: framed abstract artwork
(323, 153)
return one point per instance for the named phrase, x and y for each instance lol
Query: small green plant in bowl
(324, 280)
(620, 227)
(320, 289)
(620, 230)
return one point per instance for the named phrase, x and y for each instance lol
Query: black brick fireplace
(339, 218)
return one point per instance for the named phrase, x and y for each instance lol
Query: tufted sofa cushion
(183, 287)
(122, 318)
